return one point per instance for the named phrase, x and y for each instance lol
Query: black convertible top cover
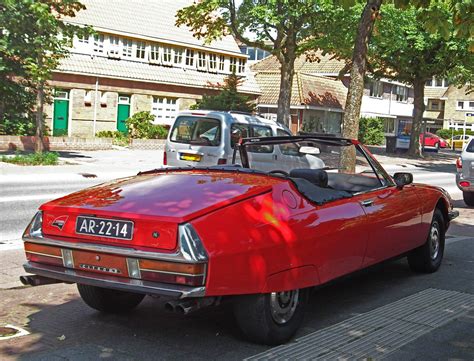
(317, 194)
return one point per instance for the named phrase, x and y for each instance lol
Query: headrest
(318, 177)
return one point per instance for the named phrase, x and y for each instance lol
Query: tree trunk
(39, 119)
(356, 85)
(418, 110)
(286, 83)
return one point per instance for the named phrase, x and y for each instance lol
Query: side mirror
(310, 150)
(403, 179)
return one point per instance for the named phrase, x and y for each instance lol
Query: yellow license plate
(190, 157)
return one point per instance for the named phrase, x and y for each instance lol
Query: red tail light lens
(459, 163)
(464, 184)
(165, 158)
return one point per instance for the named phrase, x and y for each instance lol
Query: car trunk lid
(154, 202)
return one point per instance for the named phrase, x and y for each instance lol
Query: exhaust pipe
(36, 280)
(186, 307)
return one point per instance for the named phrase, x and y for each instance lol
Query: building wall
(451, 111)
(81, 107)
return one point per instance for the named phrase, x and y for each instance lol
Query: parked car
(259, 238)
(465, 173)
(459, 141)
(432, 141)
(207, 138)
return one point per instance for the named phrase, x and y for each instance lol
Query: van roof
(240, 117)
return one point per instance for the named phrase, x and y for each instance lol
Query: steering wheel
(286, 174)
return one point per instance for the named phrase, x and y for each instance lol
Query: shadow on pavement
(62, 154)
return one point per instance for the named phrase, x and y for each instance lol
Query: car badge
(59, 222)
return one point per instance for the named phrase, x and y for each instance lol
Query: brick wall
(8, 142)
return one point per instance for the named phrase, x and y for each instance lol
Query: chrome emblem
(97, 258)
(59, 222)
(99, 268)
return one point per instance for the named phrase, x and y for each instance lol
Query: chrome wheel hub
(434, 240)
(283, 305)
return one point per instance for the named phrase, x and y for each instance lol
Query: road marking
(375, 334)
(35, 197)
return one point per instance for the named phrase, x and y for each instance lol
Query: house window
(233, 65)
(189, 57)
(167, 55)
(389, 125)
(114, 46)
(127, 48)
(202, 60)
(376, 89)
(460, 105)
(212, 62)
(164, 109)
(99, 43)
(401, 93)
(178, 56)
(439, 82)
(221, 62)
(241, 66)
(154, 55)
(429, 82)
(140, 50)
(434, 104)
(471, 105)
(83, 39)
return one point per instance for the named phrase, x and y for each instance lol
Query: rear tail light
(169, 272)
(464, 184)
(165, 158)
(221, 161)
(459, 163)
(43, 254)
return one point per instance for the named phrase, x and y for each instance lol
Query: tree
(35, 38)
(281, 27)
(403, 50)
(228, 97)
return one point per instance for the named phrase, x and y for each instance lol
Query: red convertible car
(260, 239)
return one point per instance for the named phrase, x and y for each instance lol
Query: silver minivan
(465, 173)
(207, 138)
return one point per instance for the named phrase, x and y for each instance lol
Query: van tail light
(221, 161)
(464, 184)
(459, 164)
(165, 158)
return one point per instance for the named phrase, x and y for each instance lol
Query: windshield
(470, 146)
(320, 162)
(196, 130)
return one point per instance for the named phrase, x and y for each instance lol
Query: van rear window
(470, 147)
(196, 130)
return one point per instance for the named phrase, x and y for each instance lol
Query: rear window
(470, 146)
(197, 130)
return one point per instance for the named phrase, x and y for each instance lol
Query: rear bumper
(113, 282)
(460, 178)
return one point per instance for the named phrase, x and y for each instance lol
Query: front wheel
(108, 300)
(271, 318)
(468, 198)
(427, 258)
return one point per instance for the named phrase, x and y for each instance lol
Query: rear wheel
(107, 300)
(427, 258)
(468, 198)
(271, 318)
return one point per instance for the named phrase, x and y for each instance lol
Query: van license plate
(190, 157)
(102, 227)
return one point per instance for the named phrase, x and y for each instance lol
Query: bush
(140, 125)
(110, 134)
(447, 133)
(371, 131)
(46, 158)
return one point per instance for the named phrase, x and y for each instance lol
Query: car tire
(468, 198)
(108, 300)
(271, 318)
(428, 257)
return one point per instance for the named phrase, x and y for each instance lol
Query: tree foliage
(228, 97)
(34, 38)
(281, 27)
(371, 131)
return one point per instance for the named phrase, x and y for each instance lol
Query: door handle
(367, 203)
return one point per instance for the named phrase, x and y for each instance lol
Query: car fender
(290, 279)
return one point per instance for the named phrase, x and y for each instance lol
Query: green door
(123, 112)
(61, 114)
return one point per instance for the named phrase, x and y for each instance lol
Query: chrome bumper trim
(113, 282)
(453, 214)
(123, 251)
